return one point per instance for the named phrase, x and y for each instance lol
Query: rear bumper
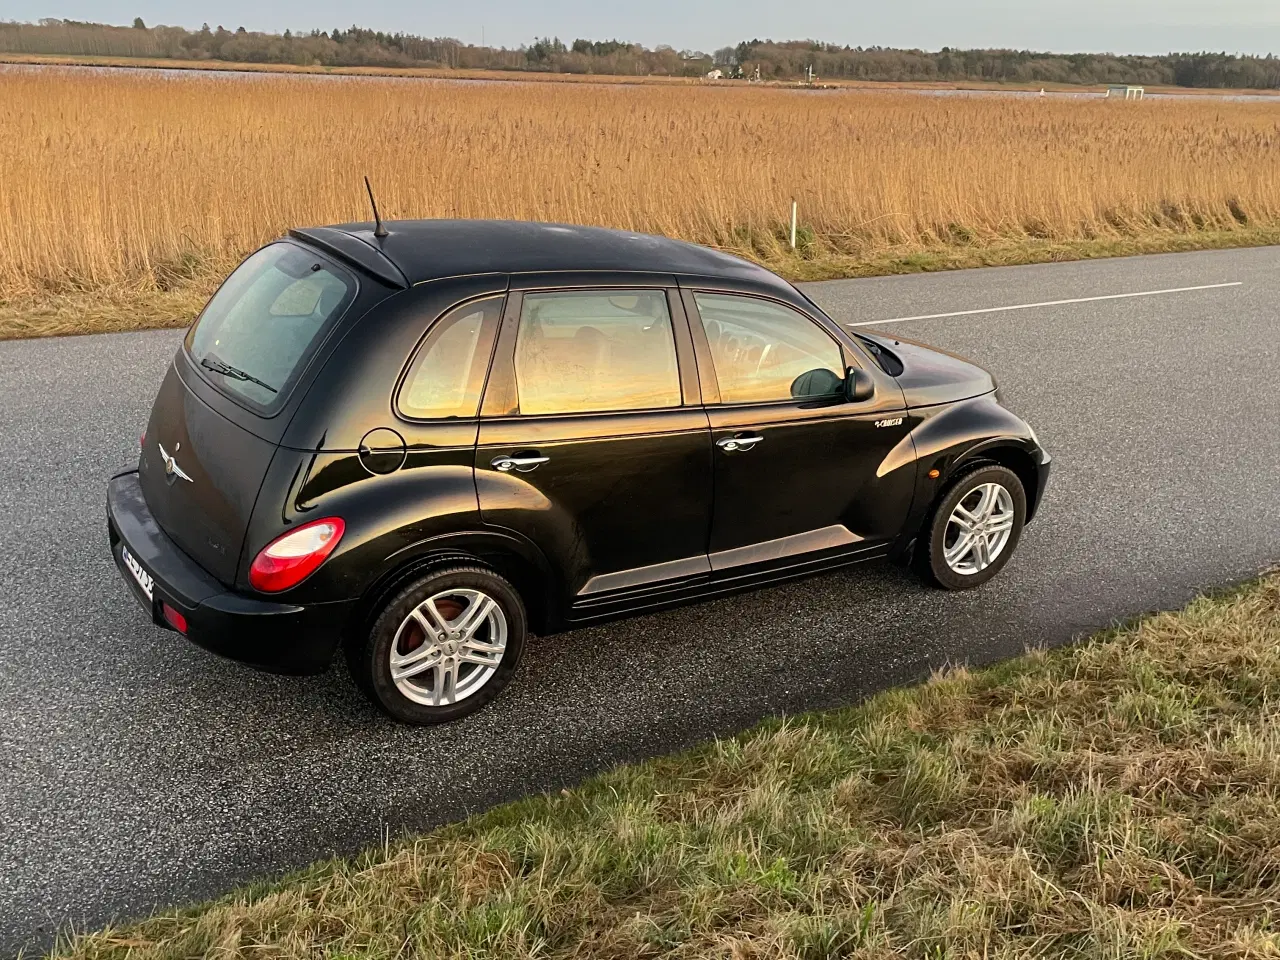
(280, 637)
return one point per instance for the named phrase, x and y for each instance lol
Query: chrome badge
(171, 468)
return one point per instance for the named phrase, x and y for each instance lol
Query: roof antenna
(379, 230)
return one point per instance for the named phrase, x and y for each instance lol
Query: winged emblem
(171, 468)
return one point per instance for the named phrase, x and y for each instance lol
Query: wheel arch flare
(950, 437)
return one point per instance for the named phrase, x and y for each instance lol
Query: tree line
(767, 59)
(1021, 66)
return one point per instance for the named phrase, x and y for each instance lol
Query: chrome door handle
(520, 464)
(731, 444)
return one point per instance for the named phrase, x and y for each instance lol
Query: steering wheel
(763, 355)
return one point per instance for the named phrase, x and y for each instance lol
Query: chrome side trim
(639, 576)
(825, 538)
(597, 609)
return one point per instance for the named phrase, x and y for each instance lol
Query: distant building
(1125, 92)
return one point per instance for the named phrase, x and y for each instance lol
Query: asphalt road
(137, 771)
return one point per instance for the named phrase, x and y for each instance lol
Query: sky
(1120, 26)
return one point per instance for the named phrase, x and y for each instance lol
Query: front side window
(764, 351)
(252, 338)
(447, 376)
(596, 350)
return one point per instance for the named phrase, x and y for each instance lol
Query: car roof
(417, 251)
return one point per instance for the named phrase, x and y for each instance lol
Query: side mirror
(858, 385)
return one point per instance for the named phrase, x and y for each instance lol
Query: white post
(793, 224)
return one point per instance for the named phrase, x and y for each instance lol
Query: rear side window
(252, 339)
(447, 375)
(596, 350)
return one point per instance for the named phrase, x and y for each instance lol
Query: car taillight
(286, 561)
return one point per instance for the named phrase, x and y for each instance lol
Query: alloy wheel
(978, 529)
(448, 647)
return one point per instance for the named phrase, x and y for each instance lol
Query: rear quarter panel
(318, 472)
(389, 518)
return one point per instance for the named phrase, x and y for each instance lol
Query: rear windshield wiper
(217, 366)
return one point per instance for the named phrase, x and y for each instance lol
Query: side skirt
(607, 606)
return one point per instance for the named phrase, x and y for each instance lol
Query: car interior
(584, 351)
(758, 357)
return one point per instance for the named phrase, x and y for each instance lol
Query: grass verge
(175, 301)
(103, 311)
(1117, 799)
(821, 265)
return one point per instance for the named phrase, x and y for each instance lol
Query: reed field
(143, 187)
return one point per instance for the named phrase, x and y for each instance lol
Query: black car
(420, 445)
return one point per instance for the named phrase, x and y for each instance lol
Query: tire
(445, 687)
(937, 559)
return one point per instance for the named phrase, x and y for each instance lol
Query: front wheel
(444, 646)
(975, 529)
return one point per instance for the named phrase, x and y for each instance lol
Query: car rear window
(253, 338)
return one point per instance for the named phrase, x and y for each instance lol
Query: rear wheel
(974, 530)
(444, 646)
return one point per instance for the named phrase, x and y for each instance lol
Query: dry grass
(1121, 799)
(111, 309)
(144, 307)
(133, 185)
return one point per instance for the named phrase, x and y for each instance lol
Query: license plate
(145, 580)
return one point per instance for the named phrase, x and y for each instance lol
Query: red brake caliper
(413, 638)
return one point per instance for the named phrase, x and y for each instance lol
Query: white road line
(1047, 303)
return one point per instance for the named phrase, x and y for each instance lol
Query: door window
(447, 375)
(764, 351)
(596, 350)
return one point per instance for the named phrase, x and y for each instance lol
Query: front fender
(947, 438)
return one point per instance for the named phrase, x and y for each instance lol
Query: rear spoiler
(351, 248)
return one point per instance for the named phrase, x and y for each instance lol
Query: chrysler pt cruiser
(419, 445)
